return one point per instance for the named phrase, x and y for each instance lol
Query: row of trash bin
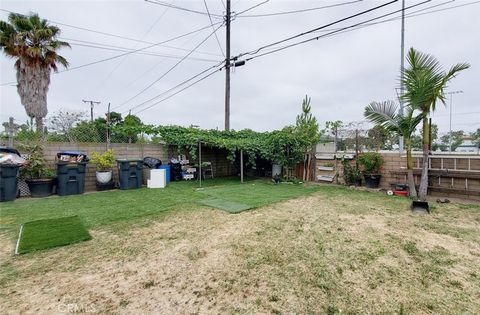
(70, 178)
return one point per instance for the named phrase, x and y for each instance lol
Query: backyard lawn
(310, 249)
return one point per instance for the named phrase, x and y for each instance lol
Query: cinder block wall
(121, 151)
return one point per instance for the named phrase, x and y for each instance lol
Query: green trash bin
(8, 182)
(71, 178)
(130, 173)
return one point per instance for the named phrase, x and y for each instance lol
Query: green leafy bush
(351, 174)
(370, 162)
(104, 161)
(36, 167)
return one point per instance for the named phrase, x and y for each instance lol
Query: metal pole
(451, 98)
(227, 68)
(241, 165)
(108, 127)
(200, 161)
(402, 66)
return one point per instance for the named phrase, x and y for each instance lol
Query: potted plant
(37, 175)
(104, 163)
(371, 164)
(351, 174)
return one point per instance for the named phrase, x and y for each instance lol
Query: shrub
(36, 167)
(370, 162)
(104, 161)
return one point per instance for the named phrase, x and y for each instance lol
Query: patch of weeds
(430, 272)
(411, 248)
(455, 284)
(124, 302)
(440, 256)
(273, 298)
(331, 310)
(148, 284)
(366, 256)
(195, 254)
(8, 273)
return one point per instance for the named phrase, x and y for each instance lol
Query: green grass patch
(125, 207)
(49, 233)
(229, 206)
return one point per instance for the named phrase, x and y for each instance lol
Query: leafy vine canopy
(284, 147)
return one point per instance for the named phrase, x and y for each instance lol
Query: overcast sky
(341, 74)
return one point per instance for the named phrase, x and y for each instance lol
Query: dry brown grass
(336, 251)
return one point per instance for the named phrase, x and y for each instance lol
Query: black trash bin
(71, 172)
(130, 173)
(71, 178)
(8, 182)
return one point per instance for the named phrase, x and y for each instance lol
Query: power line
(211, 22)
(111, 35)
(251, 8)
(316, 29)
(135, 50)
(297, 11)
(182, 8)
(326, 35)
(172, 95)
(169, 70)
(136, 45)
(177, 86)
(122, 49)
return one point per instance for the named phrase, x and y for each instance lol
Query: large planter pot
(104, 177)
(372, 180)
(40, 187)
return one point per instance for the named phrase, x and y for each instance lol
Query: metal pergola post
(241, 166)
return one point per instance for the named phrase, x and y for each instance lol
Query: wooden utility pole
(227, 68)
(92, 103)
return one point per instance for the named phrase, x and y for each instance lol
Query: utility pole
(92, 103)
(451, 103)
(227, 68)
(402, 66)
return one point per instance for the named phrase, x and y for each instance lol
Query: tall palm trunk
(424, 179)
(411, 179)
(33, 81)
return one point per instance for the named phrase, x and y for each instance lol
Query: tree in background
(425, 82)
(34, 45)
(63, 121)
(476, 137)
(379, 138)
(385, 114)
(331, 127)
(307, 128)
(457, 139)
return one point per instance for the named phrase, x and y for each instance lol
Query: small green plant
(370, 162)
(36, 167)
(329, 164)
(351, 174)
(104, 161)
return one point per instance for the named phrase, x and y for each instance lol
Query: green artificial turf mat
(227, 205)
(48, 233)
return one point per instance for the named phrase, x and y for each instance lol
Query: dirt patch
(309, 255)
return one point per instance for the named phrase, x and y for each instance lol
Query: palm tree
(34, 45)
(385, 114)
(425, 82)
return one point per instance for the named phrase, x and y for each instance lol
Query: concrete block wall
(121, 151)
